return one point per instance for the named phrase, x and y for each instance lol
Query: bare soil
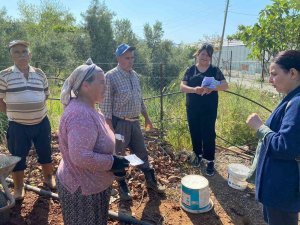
(231, 206)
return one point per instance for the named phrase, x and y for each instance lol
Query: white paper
(134, 160)
(210, 82)
(119, 137)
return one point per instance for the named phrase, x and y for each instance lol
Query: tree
(153, 36)
(9, 30)
(49, 28)
(160, 53)
(98, 24)
(123, 33)
(277, 29)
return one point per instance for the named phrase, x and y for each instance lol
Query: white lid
(238, 169)
(194, 182)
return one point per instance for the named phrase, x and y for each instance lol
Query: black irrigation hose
(178, 92)
(158, 96)
(216, 135)
(230, 92)
(113, 215)
(56, 78)
(244, 150)
(57, 99)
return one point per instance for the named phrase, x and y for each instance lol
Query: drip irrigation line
(55, 78)
(158, 96)
(56, 99)
(113, 215)
(244, 150)
(249, 100)
(230, 92)
(155, 122)
(178, 92)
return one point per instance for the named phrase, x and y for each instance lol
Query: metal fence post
(230, 64)
(161, 86)
(263, 70)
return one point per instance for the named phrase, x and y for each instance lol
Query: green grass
(55, 110)
(232, 114)
(3, 126)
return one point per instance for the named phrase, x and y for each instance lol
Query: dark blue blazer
(277, 174)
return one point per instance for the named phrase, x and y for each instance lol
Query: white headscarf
(73, 82)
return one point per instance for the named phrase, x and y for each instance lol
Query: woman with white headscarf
(87, 144)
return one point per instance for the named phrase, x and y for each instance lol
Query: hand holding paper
(210, 82)
(119, 137)
(134, 160)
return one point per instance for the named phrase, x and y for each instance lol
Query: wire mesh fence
(164, 101)
(166, 107)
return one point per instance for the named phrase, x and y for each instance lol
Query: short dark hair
(208, 48)
(288, 59)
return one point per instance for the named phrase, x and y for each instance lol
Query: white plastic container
(237, 175)
(195, 197)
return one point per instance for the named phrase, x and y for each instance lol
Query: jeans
(274, 216)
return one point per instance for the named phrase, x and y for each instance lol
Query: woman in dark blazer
(277, 174)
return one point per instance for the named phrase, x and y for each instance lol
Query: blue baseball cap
(122, 48)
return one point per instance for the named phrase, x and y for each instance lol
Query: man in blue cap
(122, 106)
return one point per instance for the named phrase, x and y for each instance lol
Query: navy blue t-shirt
(194, 77)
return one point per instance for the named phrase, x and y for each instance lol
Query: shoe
(124, 191)
(196, 161)
(50, 182)
(19, 194)
(151, 181)
(210, 168)
(156, 187)
(113, 192)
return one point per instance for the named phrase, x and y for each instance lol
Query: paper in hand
(210, 82)
(134, 160)
(119, 137)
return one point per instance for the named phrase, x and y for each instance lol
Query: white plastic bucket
(195, 194)
(237, 175)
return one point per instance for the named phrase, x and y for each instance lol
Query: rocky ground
(231, 206)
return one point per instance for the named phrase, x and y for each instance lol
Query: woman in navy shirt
(202, 82)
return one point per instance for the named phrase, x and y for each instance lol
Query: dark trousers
(20, 138)
(278, 217)
(133, 139)
(203, 134)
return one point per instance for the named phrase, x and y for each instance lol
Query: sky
(185, 21)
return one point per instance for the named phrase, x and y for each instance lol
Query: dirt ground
(231, 206)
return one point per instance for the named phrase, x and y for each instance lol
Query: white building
(234, 59)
